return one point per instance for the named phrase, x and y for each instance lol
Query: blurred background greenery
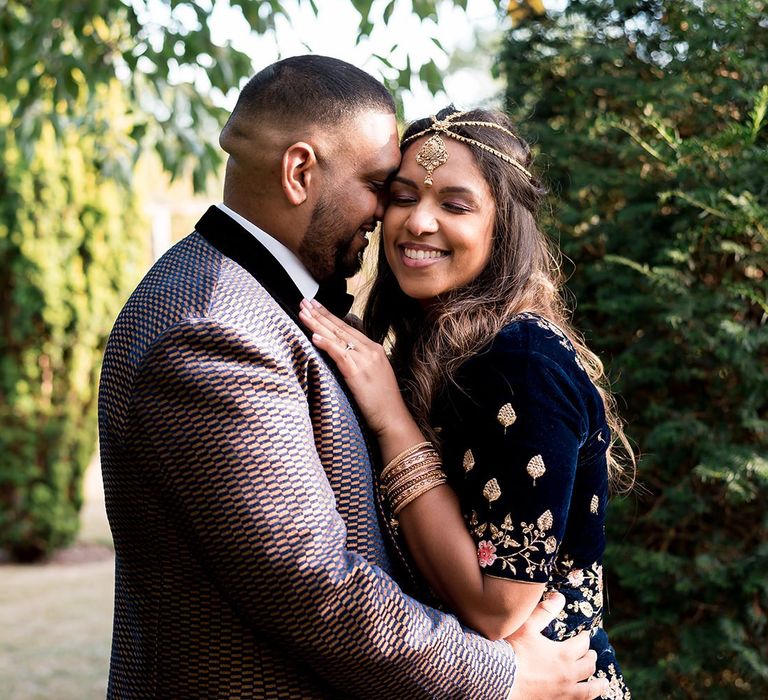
(648, 120)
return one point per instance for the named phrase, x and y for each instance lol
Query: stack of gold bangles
(411, 474)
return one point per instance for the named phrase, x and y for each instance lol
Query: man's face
(351, 202)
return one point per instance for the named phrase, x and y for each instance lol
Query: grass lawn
(56, 617)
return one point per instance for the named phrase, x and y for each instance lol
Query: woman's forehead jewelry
(433, 153)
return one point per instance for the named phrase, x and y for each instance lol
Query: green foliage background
(650, 118)
(651, 121)
(86, 88)
(70, 250)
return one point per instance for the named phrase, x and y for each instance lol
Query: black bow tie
(333, 296)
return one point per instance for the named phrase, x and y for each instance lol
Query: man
(250, 559)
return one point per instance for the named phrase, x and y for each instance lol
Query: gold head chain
(433, 153)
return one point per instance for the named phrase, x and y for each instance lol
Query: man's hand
(548, 670)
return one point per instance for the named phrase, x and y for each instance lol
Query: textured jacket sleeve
(222, 428)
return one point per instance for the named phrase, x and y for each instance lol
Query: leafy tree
(69, 251)
(85, 89)
(650, 120)
(161, 51)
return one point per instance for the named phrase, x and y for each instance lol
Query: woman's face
(438, 238)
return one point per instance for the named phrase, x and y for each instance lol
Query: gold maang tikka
(433, 153)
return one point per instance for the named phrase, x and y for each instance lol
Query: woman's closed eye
(457, 207)
(401, 199)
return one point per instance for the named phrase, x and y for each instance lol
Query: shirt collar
(296, 270)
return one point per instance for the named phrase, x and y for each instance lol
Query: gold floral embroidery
(492, 491)
(617, 690)
(535, 541)
(536, 468)
(544, 521)
(549, 326)
(558, 332)
(506, 416)
(583, 590)
(468, 462)
(594, 504)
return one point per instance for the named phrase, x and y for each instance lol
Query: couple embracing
(298, 514)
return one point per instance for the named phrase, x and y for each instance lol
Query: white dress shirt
(296, 270)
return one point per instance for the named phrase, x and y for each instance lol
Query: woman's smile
(420, 255)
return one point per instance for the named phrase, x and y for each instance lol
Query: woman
(493, 375)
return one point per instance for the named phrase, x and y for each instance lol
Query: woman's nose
(421, 220)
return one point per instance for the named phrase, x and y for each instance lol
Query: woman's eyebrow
(457, 190)
(405, 181)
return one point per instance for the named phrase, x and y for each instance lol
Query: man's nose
(381, 206)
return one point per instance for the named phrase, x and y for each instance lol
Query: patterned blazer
(250, 556)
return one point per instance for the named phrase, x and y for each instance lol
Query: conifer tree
(650, 120)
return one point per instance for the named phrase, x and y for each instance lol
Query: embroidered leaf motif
(468, 462)
(529, 550)
(545, 520)
(593, 504)
(536, 468)
(506, 416)
(492, 491)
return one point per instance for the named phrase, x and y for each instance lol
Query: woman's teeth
(423, 254)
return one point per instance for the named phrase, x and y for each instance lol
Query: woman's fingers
(340, 334)
(339, 353)
(334, 323)
(362, 362)
(335, 337)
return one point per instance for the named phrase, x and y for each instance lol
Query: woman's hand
(363, 364)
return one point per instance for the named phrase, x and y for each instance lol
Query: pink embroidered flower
(576, 577)
(486, 553)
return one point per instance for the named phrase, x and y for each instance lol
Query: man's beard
(326, 251)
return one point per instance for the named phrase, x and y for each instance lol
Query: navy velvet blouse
(524, 442)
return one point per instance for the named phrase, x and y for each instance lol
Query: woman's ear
(297, 168)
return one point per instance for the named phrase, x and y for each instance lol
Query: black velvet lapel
(232, 240)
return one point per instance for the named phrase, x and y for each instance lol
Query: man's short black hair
(312, 89)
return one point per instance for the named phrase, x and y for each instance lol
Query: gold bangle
(395, 494)
(403, 465)
(430, 484)
(404, 455)
(426, 463)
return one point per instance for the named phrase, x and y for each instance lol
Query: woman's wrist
(410, 474)
(397, 437)
(398, 432)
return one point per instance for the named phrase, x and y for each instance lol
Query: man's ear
(297, 168)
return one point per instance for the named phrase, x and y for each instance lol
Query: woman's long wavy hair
(523, 274)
